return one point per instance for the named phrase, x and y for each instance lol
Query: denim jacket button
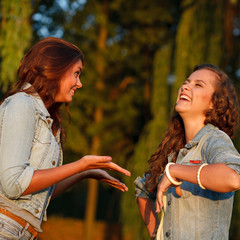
(168, 234)
(169, 203)
(184, 152)
(53, 162)
(36, 211)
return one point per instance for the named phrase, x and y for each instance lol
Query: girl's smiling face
(69, 83)
(195, 95)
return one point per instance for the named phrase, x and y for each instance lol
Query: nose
(185, 86)
(79, 84)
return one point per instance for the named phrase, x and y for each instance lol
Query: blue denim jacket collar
(43, 110)
(206, 129)
(38, 100)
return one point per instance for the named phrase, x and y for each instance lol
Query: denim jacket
(26, 144)
(198, 213)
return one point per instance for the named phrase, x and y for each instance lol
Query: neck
(192, 128)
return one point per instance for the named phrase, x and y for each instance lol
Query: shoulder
(218, 145)
(19, 103)
(217, 135)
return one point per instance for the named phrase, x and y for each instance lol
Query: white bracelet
(174, 182)
(198, 176)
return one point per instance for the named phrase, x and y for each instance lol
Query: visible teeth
(185, 97)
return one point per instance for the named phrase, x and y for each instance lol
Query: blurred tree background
(137, 54)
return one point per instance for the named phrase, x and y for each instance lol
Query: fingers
(159, 202)
(114, 182)
(115, 167)
(105, 162)
(178, 191)
(117, 184)
(121, 187)
(98, 158)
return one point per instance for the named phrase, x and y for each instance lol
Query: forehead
(78, 64)
(207, 76)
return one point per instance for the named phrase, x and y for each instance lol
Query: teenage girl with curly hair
(196, 166)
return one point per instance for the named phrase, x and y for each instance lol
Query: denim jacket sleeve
(17, 124)
(220, 149)
(141, 191)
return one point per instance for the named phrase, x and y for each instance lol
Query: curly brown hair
(43, 67)
(224, 115)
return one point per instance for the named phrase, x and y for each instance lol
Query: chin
(180, 109)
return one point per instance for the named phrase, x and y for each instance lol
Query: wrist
(198, 176)
(170, 176)
(91, 173)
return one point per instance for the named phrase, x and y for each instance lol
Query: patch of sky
(236, 27)
(44, 32)
(71, 8)
(43, 20)
(120, 32)
(89, 22)
(237, 73)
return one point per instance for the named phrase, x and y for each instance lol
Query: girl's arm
(97, 174)
(17, 177)
(47, 177)
(148, 213)
(217, 177)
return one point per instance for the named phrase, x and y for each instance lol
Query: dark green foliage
(199, 37)
(15, 36)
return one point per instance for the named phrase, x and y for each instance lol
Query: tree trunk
(92, 197)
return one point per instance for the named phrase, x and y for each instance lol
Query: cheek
(207, 99)
(179, 91)
(64, 86)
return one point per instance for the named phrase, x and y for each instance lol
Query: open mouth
(185, 97)
(73, 91)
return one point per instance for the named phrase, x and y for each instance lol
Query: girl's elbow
(235, 182)
(11, 191)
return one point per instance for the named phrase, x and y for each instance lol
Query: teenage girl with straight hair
(31, 137)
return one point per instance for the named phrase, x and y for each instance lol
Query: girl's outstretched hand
(103, 176)
(102, 162)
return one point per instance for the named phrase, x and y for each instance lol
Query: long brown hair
(224, 115)
(43, 67)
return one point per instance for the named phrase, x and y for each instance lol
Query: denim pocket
(43, 129)
(11, 230)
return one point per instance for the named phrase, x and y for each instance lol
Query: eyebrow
(195, 80)
(80, 69)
